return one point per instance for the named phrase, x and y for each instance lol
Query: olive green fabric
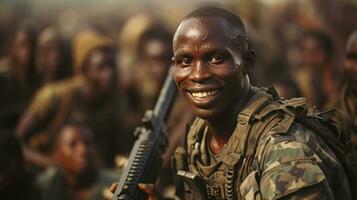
(270, 156)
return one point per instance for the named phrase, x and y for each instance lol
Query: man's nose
(199, 72)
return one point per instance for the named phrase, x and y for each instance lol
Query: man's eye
(216, 59)
(185, 61)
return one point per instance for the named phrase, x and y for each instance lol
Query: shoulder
(294, 161)
(290, 158)
(298, 143)
(50, 95)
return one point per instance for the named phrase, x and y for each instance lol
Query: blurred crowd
(76, 79)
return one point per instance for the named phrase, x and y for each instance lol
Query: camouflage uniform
(289, 162)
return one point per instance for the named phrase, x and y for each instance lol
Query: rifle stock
(145, 159)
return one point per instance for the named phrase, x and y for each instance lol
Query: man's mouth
(204, 96)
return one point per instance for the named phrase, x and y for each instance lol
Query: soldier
(244, 143)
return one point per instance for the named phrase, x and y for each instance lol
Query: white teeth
(204, 95)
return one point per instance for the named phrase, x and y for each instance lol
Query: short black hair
(70, 123)
(235, 22)
(215, 11)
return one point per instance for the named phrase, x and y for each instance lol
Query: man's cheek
(177, 78)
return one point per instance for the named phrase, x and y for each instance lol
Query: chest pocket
(263, 112)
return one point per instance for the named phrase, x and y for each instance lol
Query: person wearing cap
(90, 97)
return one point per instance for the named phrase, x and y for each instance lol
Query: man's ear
(172, 61)
(249, 61)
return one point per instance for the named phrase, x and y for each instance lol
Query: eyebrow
(182, 51)
(181, 55)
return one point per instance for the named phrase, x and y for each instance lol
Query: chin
(205, 113)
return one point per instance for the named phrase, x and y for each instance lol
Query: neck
(71, 180)
(89, 92)
(222, 127)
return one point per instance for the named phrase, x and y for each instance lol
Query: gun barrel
(165, 100)
(145, 158)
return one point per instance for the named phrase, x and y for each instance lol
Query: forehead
(71, 133)
(100, 55)
(204, 28)
(22, 36)
(155, 48)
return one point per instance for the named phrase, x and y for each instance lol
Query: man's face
(74, 150)
(154, 62)
(207, 66)
(350, 65)
(312, 53)
(100, 71)
(156, 59)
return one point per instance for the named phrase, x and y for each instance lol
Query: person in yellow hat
(89, 96)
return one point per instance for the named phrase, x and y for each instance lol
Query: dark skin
(21, 53)
(49, 58)
(209, 63)
(99, 74)
(209, 69)
(73, 153)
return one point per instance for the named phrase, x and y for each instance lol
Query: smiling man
(245, 142)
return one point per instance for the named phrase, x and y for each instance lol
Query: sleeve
(290, 169)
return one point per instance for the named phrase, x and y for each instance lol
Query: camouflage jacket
(290, 162)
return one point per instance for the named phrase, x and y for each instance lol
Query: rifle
(145, 159)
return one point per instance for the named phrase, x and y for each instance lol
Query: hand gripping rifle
(145, 158)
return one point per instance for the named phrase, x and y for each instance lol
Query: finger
(113, 187)
(147, 188)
